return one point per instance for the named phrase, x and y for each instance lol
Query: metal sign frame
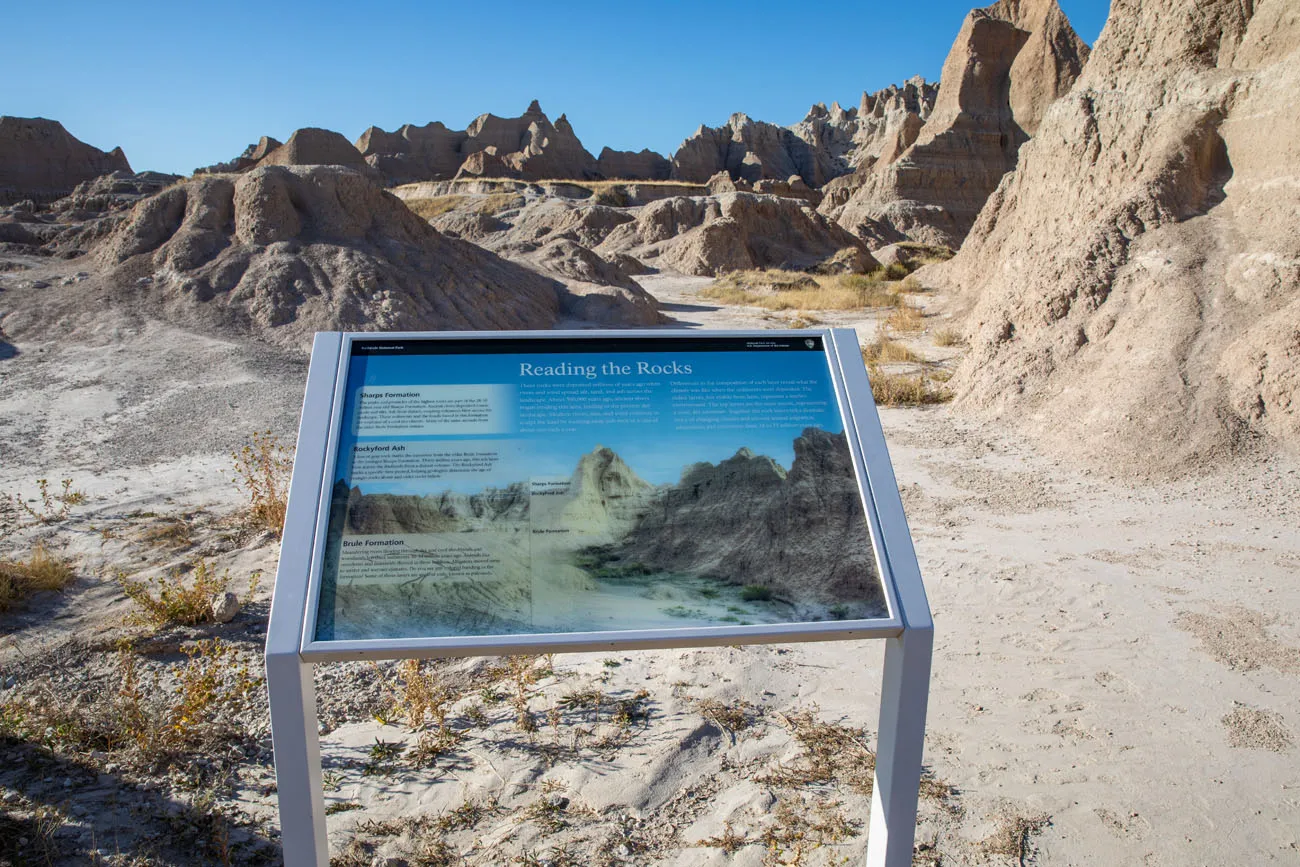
(291, 651)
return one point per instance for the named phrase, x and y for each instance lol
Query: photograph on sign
(532, 485)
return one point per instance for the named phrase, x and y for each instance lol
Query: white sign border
(613, 640)
(909, 644)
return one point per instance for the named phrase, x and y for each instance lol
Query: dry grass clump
(495, 203)
(796, 290)
(831, 754)
(40, 571)
(263, 469)
(428, 209)
(1013, 836)
(886, 350)
(908, 389)
(947, 337)
(174, 600)
(906, 318)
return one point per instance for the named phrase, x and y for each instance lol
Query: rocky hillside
(747, 521)
(1134, 283)
(41, 161)
(290, 250)
(1008, 63)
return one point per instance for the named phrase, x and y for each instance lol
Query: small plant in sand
(885, 350)
(909, 389)
(947, 337)
(175, 599)
(40, 571)
(263, 469)
(149, 721)
(906, 318)
(53, 505)
(732, 717)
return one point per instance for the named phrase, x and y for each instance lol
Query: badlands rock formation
(645, 165)
(42, 161)
(290, 250)
(1008, 63)
(733, 231)
(745, 520)
(529, 147)
(252, 155)
(315, 147)
(555, 236)
(1135, 282)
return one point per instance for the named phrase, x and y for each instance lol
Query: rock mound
(315, 147)
(1135, 283)
(735, 231)
(1009, 61)
(42, 161)
(289, 250)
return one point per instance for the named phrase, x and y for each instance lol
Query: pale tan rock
(1008, 62)
(1134, 282)
(733, 231)
(224, 607)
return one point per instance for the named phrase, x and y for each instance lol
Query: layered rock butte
(1008, 63)
(41, 161)
(1135, 283)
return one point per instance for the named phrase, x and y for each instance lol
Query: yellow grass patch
(40, 571)
(884, 350)
(795, 290)
(906, 318)
(428, 209)
(908, 389)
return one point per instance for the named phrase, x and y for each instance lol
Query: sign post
(486, 493)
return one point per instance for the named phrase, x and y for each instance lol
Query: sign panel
(535, 485)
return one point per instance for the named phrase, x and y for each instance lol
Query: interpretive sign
(459, 494)
(537, 485)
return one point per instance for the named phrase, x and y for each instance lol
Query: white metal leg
(904, 695)
(297, 762)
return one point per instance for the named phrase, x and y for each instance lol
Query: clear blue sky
(184, 85)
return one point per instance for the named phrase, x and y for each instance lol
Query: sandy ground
(1116, 678)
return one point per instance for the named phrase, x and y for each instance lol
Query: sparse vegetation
(909, 389)
(263, 469)
(150, 721)
(732, 717)
(886, 350)
(796, 290)
(906, 318)
(51, 506)
(40, 571)
(428, 209)
(175, 599)
(1013, 836)
(947, 337)
(755, 593)
(495, 203)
